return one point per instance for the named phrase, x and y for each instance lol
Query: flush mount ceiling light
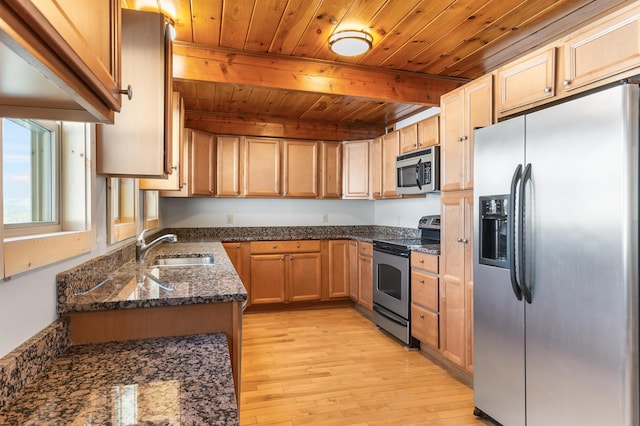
(350, 43)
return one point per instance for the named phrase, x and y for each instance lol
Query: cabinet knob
(128, 91)
(566, 82)
(275, 246)
(421, 316)
(297, 245)
(282, 258)
(547, 90)
(462, 240)
(421, 260)
(290, 257)
(238, 246)
(462, 138)
(421, 281)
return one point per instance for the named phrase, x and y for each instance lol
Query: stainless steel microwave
(418, 172)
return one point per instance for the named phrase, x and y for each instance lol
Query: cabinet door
(339, 272)
(429, 132)
(390, 150)
(478, 112)
(305, 277)
(375, 168)
(452, 279)
(452, 131)
(409, 138)
(528, 80)
(240, 255)
(365, 281)
(75, 48)
(268, 274)
(202, 163)
(468, 279)
(611, 47)
(356, 169)
(330, 170)
(228, 166)
(300, 169)
(173, 181)
(353, 270)
(139, 141)
(261, 167)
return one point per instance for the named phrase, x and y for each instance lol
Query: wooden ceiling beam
(191, 62)
(278, 127)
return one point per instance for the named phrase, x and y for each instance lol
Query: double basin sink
(184, 261)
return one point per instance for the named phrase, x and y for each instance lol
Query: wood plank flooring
(332, 367)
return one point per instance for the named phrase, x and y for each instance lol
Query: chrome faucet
(142, 248)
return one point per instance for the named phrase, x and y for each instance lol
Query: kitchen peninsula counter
(173, 380)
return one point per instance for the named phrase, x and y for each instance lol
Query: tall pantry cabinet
(462, 110)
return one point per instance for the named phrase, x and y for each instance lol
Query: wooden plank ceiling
(264, 67)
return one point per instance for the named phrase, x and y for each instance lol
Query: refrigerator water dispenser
(494, 230)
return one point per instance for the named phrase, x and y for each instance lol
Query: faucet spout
(142, 248)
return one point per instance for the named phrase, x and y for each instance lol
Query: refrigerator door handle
(526, 289)
(517, 175)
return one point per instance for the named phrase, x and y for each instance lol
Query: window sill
(25, 253)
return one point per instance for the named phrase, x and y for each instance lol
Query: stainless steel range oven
(392, 280)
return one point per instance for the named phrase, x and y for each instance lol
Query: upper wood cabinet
(202, 154)
(527, 80)
(606, 48)
(60, 59)
(356, 169)
(375, 168)
(175, 180)
(299, 169)
(229, 151)
(429, 132)
(408, 138)
(463, 110)
(139, 141)
(330, 170)
(390, 150)
(262, 167)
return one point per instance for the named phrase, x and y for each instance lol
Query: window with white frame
(31, 170)
(122, 208)
(47, 172)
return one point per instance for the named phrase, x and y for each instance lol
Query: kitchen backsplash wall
(222, 212)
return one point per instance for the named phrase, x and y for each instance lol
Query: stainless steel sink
(184, 261)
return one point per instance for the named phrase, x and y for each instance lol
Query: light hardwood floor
(332, 367)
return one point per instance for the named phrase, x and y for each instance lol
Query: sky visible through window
(16, 172)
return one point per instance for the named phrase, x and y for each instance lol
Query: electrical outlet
(229, 218)
(325, 218)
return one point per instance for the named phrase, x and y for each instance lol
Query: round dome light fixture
(350, 43)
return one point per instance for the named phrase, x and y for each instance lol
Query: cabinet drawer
(365, 249)
(424, 261)
(424, 290)
(424, 326)
(295, 246)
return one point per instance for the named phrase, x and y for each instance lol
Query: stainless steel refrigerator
(556, 264)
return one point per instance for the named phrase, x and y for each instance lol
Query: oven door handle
(390, 316)
(392, 251)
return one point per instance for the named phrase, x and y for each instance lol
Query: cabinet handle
(566, 82)
(462, 240)
(462, 138)
(128, 91)
(547, 90)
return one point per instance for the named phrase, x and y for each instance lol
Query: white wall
(214, 212)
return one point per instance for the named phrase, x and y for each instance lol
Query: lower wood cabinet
(361, 273)
(425, 299)
(285, 271)
(239, 253)
(338, 268)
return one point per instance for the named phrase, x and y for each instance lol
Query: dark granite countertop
(164, 381)
(134, 285)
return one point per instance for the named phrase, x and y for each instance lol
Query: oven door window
(390, 281)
